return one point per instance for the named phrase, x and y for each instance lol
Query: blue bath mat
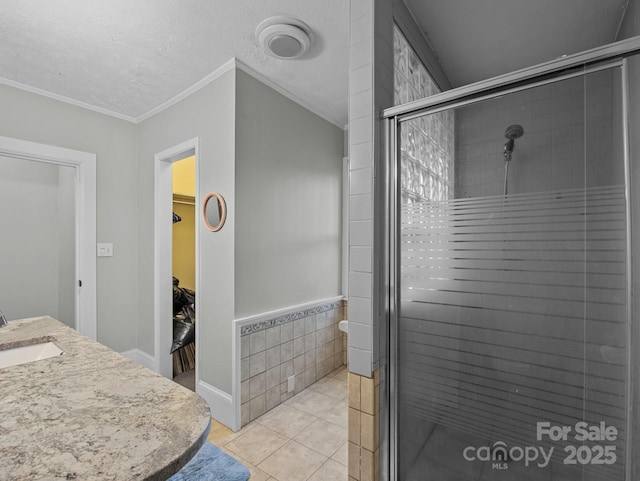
(211, 464)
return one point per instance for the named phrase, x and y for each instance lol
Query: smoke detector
(284, 37)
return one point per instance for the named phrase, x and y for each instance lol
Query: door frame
(84, 165)
(163, 244)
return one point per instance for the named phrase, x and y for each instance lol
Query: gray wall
(286, 154)
(288, 202)
(278, 167)
(35, 118)
(209, 115)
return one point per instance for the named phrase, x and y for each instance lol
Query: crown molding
(224, 68)
(227, 66)
(67, 100)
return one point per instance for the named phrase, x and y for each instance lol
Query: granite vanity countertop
(91, 413)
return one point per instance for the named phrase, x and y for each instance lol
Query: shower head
(513, 132)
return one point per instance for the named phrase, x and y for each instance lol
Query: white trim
(162, 245)
(346, 202)
(281, 90)
(284, 311)
(67, 100)
(229, 65)
(236, 377)
(224, 68)
(84, 164)
(141, 357)
(220, 403)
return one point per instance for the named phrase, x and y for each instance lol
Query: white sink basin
(31, 353)
(344, 326)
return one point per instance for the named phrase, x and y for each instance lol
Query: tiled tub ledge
(303, 342)
(91, 413)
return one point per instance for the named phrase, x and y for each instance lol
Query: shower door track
(510, 82)
(576, 65)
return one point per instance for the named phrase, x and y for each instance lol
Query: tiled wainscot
(305, 344)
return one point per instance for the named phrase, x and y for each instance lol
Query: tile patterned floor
(303, 439)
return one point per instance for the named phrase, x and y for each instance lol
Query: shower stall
(512, 344)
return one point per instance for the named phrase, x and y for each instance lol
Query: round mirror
(214, 212)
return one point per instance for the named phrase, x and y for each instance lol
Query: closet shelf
(184, 199)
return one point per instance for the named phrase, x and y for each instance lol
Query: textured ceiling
(131, 56)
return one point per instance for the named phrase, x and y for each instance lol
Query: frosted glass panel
(513, 324)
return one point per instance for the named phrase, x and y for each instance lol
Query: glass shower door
(512, 324)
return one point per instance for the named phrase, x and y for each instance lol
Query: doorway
(67, 179)
(184, 271)
(37, 198)
(164, 254)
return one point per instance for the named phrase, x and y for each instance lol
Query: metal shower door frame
(577, 65)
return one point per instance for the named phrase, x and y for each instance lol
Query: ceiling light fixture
(284, 37)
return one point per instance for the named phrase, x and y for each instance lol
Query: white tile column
(370, 91)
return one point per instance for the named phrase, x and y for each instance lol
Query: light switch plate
(105, 250)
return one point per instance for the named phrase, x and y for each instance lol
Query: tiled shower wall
(371, 89)
(570, 129)
(306, 344)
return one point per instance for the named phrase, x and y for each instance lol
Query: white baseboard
(142, 357)
(220, 403)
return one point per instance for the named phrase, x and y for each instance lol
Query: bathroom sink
(34, 352)
(344, 326)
